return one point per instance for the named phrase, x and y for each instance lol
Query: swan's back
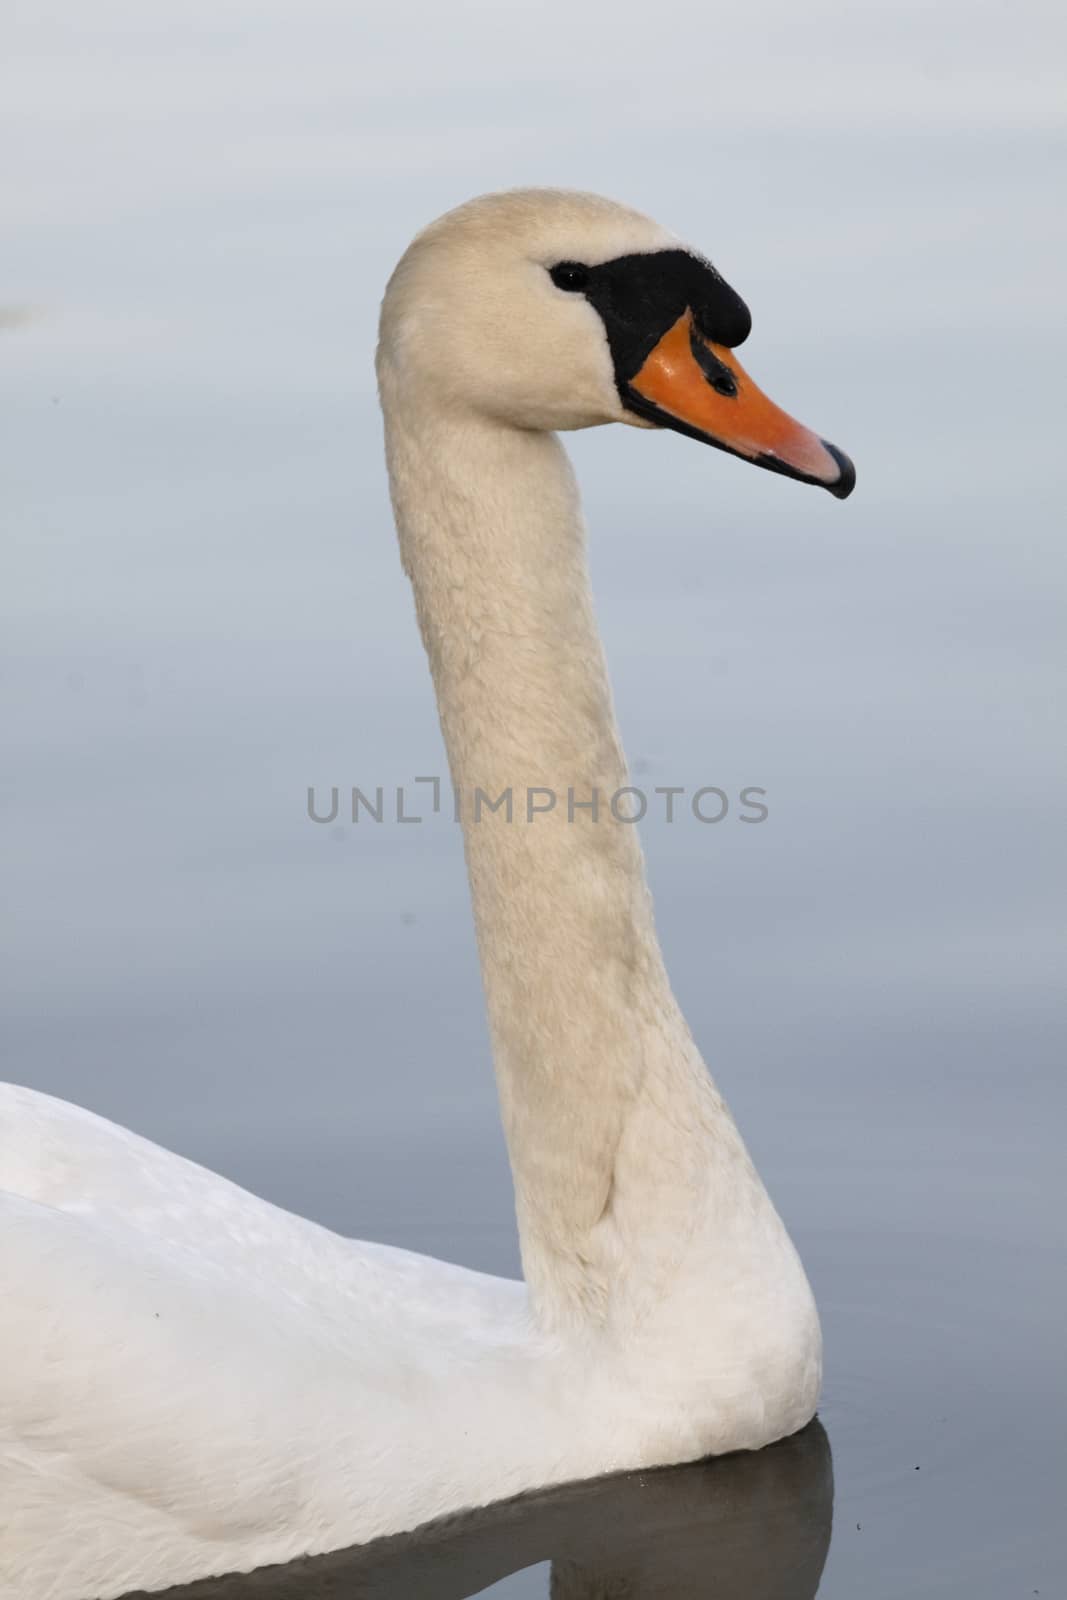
(66, 1159)
(171, 1365)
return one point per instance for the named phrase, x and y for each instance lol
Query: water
(203, 614)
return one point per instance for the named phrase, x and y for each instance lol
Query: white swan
(192, 1381)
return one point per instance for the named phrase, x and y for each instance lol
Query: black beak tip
(846, 481)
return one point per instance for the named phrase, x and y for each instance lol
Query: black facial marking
(640, 297)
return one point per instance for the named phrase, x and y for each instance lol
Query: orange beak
(700, 388)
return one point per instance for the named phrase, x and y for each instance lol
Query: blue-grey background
(203, 614)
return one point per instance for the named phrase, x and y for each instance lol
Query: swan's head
(547, 309)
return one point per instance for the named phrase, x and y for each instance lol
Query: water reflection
(747, 1527)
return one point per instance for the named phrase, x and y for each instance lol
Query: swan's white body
(192, 1381)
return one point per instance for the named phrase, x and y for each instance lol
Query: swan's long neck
(607, 1108)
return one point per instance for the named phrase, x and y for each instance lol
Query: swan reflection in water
(743, 1527)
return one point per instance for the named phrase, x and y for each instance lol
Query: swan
(194, 1382)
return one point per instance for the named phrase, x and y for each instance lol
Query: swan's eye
(570, 275)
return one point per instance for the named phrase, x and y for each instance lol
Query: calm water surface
(203, 614)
